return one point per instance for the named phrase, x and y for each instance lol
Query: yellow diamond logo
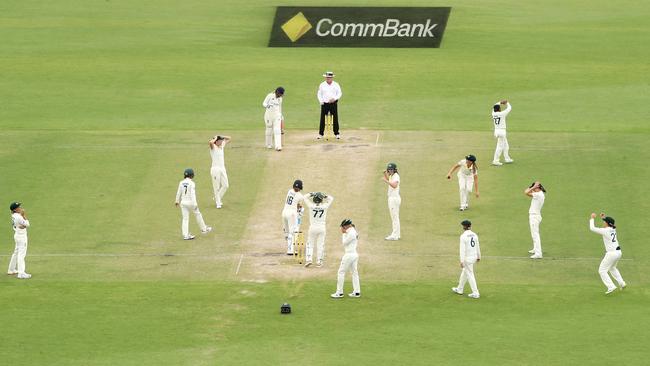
(296, 27)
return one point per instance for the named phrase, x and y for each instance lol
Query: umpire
(329, 93)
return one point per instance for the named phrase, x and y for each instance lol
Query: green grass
(105, 103)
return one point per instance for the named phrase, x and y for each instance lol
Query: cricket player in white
(273, 118)
(186, 199)
(391, 177)
(612, 252)
(290, 213)
(20, 225)
(349, 261)
(537, 192)
(218, 169)
(470, 253)
(499, 118)
(317, 203)
(467, 179)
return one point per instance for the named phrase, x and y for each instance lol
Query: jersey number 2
(613, 237)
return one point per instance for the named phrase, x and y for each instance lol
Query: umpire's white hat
(328, 74)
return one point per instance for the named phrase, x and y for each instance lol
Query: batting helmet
(346, 222)
(391, 166)
(14, 205)
(188, 173)
(471, 158)
(297, 184)
(466, 223)
(318, 197)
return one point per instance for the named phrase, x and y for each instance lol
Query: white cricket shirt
(217, 155)
(393, 192)
(329, 91)
(465, 171)
(292, 200)
(609, 236)
(17, 220)
(536, 203)
(272, 104)
(350, 240)
(499, 118)
(469, 246)
(186, 191)
(318, 212)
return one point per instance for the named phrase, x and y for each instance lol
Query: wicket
(329, 126)
(299, 247)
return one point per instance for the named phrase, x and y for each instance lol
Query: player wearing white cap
(273, 118)
(20, 224)
(318, 203)
(290, 213)
(470, 253)
(538, 194)
(499, 118)
(391, 177)
(218, 169)
(329, 93)
(467, 179)
(612, 252)
(349, 261)
(186, 199)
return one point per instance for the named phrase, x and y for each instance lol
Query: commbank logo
(358, 26)
(296, 27)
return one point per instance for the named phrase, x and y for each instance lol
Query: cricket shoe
(354, 294)
(338, 137)
(219, 205)
(189, 237)
(207, 230)
(12, 273)
(336, 295)
(307, 264)
(497, 163)
(532, 251)
(390, 237)
(609, 290)
(319, 264)
(24, 276)
(509, 161)
(474, 295)
(319, 137)
(456, 290)
(269, 146)
(535, 256)
(278, 149)
(623, 286)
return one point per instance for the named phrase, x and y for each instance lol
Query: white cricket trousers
(186, 208)
(348, 263)
(17, 262)
(316, 237)
(289, 223)
(393, 207)
(467, 274)
(466, 186)
(502, 145)
(273, 122)
(608, 264)
(219, 183)
(534, 220)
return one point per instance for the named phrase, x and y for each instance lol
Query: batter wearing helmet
(317, 203)
(290, 213)
(391, 178)
(349, 261)
(186, 199)
(273, 118)
(467, 179)
(612, 252)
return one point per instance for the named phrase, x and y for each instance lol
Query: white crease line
(506, 257)
(125, 255)
(239, 265)
(377, 140)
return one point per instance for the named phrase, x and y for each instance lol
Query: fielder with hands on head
(186, 199)
(538, 194)
(20, 224)
(329, 93)
(349, 261)
(470, 253)
(467, 179)
(318, 203)
(218, 169)
(499, 118)
(391, 178)
(273, 118)
(290, 213)
(612, 252)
